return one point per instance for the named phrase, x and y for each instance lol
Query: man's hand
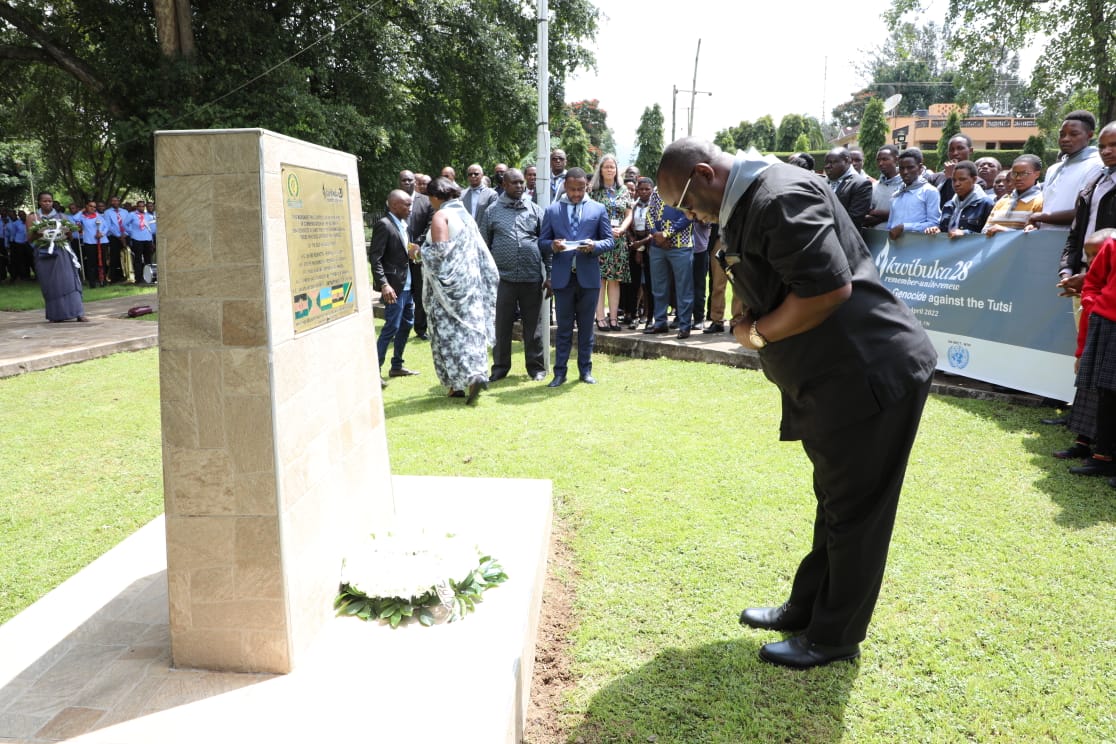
(587, 247)
(559, 245)
(547, 291)
(387, 294)
(660, 239)
(991, 230)
(896, 232)
(1071, 285)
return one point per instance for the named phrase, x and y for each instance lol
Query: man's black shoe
(588, 379)
(401, 372)
(656, 329)
(800, 653)
(497, 376)
(684, 333)
(1055, 421)
(424, 336)
(785, 617)
(1095, 466)
(1078, 451)
(715, 327)
(558, 380)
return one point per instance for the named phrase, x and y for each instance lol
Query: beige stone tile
(212, 585)
(220, 282)
(198, 482)
(237, 152)
(174, 374)
(110, 687)
(158, 635)
(268, 650)
(257, 542)
(20, 727)
(207, 387)
(240, 614)
(260, 581)
(294, 369)
(245, 371)
(136, 703)
(256, 494)
(189, 324)
(198, 542)
(107, 631)
(182, 154)
(248, 423)
(178, 600)
(207, 649)
(180, 424)
(243, 323)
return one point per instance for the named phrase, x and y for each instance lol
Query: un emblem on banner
(958, 356)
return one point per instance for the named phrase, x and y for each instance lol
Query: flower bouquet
(50, 232)
(415, 575)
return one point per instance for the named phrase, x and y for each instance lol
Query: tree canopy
(874, 134)
(649, 140)
(402, 85)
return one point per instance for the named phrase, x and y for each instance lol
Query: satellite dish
(892, 103)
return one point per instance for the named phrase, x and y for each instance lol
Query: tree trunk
(174, 28)
(185, 28)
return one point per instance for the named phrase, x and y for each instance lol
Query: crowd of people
(94, 246)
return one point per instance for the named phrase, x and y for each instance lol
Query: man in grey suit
(478, 196)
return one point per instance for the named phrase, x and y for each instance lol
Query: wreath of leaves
(460, 597)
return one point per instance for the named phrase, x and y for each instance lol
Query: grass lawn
(28, 296)
(995, 622)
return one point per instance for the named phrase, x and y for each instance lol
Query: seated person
(967, 210)
(1014, 208)
(916, 205)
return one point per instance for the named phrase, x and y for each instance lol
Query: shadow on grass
(1084, 501)
(719, 693)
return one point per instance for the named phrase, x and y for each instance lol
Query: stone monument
(274, 451)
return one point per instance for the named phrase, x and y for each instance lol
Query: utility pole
(693, 95)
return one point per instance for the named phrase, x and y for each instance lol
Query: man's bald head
(705, 166)
(399, 203)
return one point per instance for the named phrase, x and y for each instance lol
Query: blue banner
(989, 304)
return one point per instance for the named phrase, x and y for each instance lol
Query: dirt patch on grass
(546, 724)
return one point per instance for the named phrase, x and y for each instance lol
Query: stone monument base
(90, 662)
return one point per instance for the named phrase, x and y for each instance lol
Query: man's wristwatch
(758, 340)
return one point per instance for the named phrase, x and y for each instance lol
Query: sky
(756, 58)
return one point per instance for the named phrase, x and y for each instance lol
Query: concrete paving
(28, 342)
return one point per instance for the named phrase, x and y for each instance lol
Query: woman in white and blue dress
(56, 265)
(459, 292)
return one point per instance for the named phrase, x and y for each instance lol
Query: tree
(736, 138)
(1035, 145)
(790, 127)
(723, 139)
(1079, 54)
(649, 140)
(951, 129)
(335, 73)
(575, 141)
(763, 134)
(874, 134)
(593, 121)
(802, 144)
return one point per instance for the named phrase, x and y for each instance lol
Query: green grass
(995, 622)
(28, 296)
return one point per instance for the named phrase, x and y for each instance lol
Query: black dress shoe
(558, 380)
(785, 617)
(588, 379)
(422, 336)
(715, 327)
(800, 653)
(1078, 451)
(1095, 466)
(656, 329)
(684, 333)
(497, 376)
(401, 372)
(1055, 421)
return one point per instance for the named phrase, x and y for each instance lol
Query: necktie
(575, 219)
(142, 222)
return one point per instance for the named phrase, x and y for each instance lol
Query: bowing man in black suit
(392, 276)
(853, 190)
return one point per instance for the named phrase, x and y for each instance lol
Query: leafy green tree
(403, 86)
(874, 134)
(1079, 51)
(575, 141)
(736, 138)
(1035, 145)
(594, 121)
(802, 144)
(791, 126)
(723, 139)
(763, 134)
(951, 129)
(815, 133)
(649, 140)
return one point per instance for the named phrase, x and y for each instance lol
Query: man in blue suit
(577, 230)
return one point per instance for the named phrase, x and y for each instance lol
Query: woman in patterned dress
(607, 188)
(459, 292)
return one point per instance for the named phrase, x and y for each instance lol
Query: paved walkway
(29, 343)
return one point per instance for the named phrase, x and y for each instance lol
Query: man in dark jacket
(392, 276)
(853, 190)
(853, 365)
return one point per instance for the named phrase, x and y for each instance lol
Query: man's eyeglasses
(685, 188)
